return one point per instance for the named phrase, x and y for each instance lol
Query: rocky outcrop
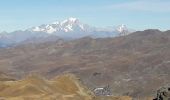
(163, 93)
(102, 91)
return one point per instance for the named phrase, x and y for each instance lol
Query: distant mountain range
(70, 28)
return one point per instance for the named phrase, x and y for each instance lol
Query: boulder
(163, 93)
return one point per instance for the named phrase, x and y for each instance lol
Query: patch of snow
(122, 28)
(72, 19)
(36, 29)
(56, 23)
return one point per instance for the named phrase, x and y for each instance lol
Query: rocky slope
(134, 65)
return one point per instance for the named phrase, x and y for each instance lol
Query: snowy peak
(73, 19)
(70, 21)
(68, 25)
(73, 25)
(68, 29)
(122, 30)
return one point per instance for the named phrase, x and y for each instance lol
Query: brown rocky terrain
(134, 65)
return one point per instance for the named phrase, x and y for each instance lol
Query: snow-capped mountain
(123, 30)
(68, 25)
(70, 28)
(74, 25)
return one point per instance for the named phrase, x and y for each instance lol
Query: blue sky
(136, 14)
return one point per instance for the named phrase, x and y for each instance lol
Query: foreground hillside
(135, 65)
(64, 87)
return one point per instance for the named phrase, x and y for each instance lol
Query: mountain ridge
(68, 29)
(135, 64)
